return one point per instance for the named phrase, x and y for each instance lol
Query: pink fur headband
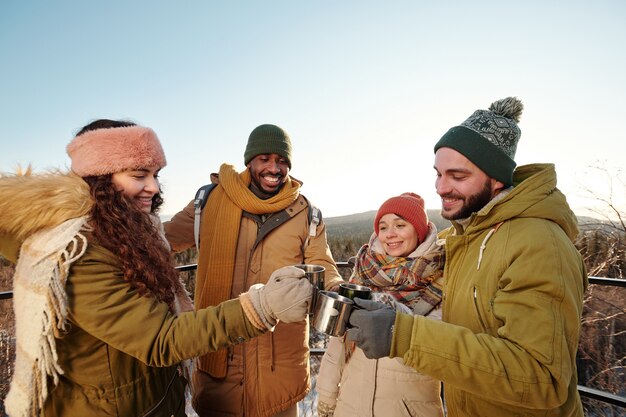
(107, 151)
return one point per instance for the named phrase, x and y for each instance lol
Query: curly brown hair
(121, 227)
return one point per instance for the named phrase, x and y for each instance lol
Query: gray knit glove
(325, 410)
(285, 297)
(372, 328)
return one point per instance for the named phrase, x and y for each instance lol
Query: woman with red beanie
(403, 266)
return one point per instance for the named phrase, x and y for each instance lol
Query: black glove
(372, 328)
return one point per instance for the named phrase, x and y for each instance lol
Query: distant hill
(362, 224)
(591, 223)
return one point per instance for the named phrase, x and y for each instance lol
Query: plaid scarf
(412, 281)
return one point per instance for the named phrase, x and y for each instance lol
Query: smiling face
(463, 187)
(268, 172)
(140, 185)
(398, 236)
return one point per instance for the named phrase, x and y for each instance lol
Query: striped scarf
(220, 231)
(412, 281)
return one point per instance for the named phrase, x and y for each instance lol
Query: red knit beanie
(410, 207)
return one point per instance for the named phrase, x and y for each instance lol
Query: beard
(257, 188)
(471, 204)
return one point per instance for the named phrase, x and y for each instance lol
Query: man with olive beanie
(514, 281)
(254, 221)
(268, 139)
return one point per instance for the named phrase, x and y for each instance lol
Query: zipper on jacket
(272, 351)
(243, 380)
(245, 285)
(477, 309)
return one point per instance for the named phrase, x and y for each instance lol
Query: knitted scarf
(220, 230)
(411, 281)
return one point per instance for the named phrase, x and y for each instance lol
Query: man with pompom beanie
(514, 281)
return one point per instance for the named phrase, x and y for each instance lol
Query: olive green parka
(120, 352)
(513, 298)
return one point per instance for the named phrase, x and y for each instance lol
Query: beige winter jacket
(375, 387)
(271, 373)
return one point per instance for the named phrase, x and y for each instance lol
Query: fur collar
(32, 202)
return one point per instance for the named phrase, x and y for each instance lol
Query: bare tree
(602, 243)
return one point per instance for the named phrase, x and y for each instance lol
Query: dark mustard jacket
(513, 298)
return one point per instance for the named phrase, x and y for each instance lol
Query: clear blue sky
(364, 88)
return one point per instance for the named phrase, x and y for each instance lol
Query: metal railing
(592, 393)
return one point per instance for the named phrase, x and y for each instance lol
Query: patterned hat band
(483, 153)
(489, 138)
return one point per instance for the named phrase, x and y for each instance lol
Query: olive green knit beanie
(489, 138)
(266, 139)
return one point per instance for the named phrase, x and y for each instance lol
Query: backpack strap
(199, 201)
(314, 217)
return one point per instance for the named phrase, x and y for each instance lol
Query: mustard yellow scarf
(220, 230)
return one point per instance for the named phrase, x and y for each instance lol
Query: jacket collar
(32, 202)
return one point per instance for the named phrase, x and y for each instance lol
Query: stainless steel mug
(353, 291)
(315, 275)
(331, 313)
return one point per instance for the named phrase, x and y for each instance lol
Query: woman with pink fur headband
(104, 326)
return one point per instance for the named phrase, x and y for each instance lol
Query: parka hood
(31, 202)
(534, 195)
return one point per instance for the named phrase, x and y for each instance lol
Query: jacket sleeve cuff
(250, 312)
(401, 340)
(239, 327)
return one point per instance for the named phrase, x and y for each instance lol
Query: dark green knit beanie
(267, 139)
(489, 138)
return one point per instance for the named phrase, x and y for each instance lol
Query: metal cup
(315, 275)
(332, 312)
(353, 291)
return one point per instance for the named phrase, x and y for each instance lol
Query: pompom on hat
(489, 138)
(268, 139)
(110, 150)
(410, 207)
